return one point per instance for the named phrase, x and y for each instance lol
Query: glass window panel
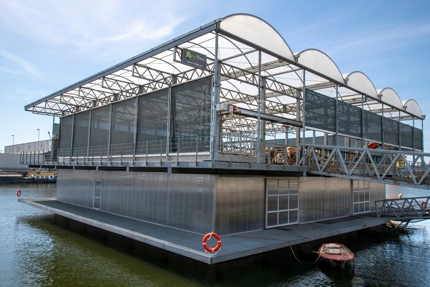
(272, 186)
(283, 187)
(294, 216)
(272, 219)
(294, 201)
(283, 202)
(272, 203)
(283, 217)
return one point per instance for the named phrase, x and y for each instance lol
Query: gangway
(403, 208)
(398, 167)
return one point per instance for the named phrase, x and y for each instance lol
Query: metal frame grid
(265, 87)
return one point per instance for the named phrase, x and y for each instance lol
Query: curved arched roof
(412, 107)
(244, 41)
(390, 96)
(256, 31)
(320, 62)
(359, 81)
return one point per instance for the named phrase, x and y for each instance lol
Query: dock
(188, 244)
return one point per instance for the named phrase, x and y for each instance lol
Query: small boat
(335, 254)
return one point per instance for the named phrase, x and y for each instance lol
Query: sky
(47, 45)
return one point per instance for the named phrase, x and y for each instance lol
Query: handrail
(381, 165)
(403, 207)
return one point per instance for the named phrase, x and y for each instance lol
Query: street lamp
(13, 143)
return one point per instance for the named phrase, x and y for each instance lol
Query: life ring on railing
(423, 204)
(207, 237)
(18, 192)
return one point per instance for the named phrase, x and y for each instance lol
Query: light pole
(13, 143)
(38, 137)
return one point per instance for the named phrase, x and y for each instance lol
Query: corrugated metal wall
(323, 198)
(183, 201)
(186, 201)
(11, 162)
(239, 204)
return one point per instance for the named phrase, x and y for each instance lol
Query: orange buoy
(209, 236)
(18, 192)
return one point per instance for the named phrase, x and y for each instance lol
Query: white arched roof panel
(258, 32)
(360, 82)
(320, 62)
(391, 97)
(412, 107)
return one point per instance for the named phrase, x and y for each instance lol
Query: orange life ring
(207, 237)
(18, 192)
(423, 204)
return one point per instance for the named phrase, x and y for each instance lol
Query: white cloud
(28, 67)
(88, 24)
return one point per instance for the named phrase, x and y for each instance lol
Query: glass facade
(321, 114)
(155, 123)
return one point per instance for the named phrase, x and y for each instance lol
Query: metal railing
(381, 165)
(411, 207)
(187, 149)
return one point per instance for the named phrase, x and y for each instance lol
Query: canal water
(38, 248)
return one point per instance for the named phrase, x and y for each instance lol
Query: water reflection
(41, 249)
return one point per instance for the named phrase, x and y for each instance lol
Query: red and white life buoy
(207, 237)
(18, 192)
(423, 204)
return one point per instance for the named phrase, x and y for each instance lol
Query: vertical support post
(215, 100)
(400, 133)
(136, 128)
(197, 149)
(336, 128)
(382, 127)
(109, 151)
(302, 150)
(89, 133)
(362, 121)
(72, 137)
(146, 156)
(169, 118)
(259, 110)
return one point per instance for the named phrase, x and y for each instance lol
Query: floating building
(225, 129)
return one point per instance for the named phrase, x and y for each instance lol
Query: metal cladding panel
(76, 186)
(377, 192)
(239, 204)
(183, 201)
(324, 198)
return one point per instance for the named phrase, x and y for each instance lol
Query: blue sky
(48, 45)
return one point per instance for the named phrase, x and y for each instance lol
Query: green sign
(193, 59)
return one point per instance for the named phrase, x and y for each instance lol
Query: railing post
(146, 157)
(121, 154)
(177, 151)
(101, 155)
(231, 148)
(161, 151)
(197, 149)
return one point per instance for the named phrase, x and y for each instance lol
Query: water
(40, 249)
